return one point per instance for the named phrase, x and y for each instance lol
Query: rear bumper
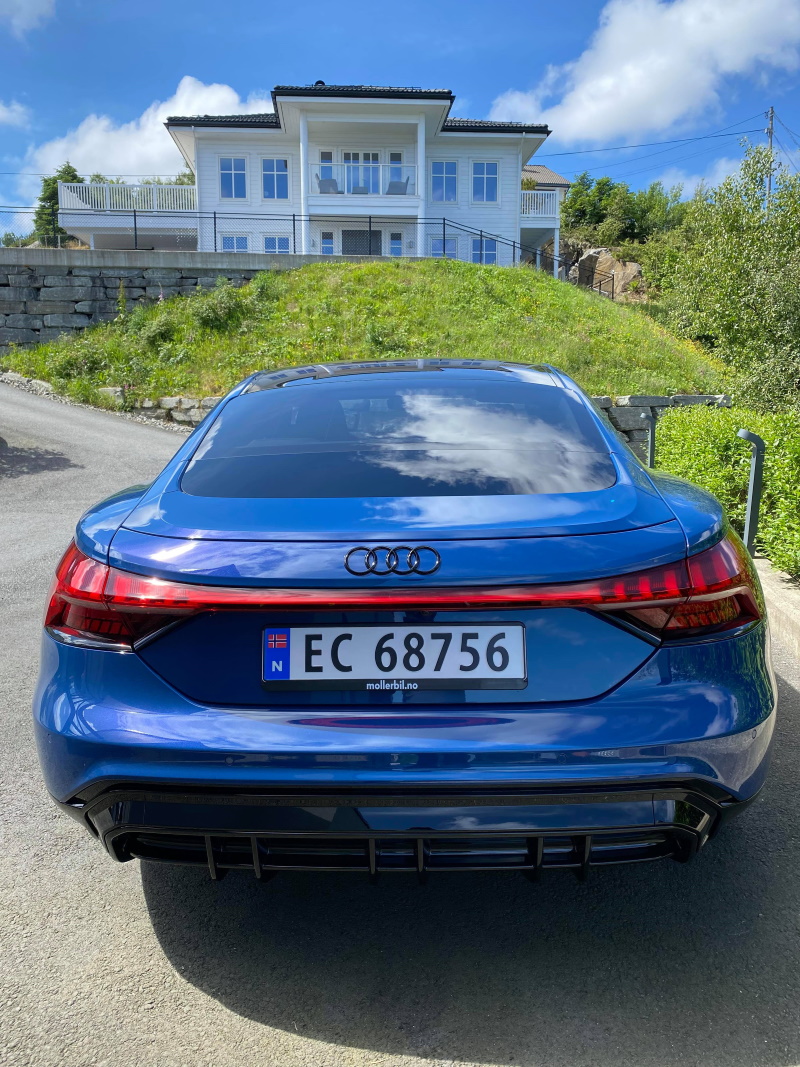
(648, 770)
(405, 830)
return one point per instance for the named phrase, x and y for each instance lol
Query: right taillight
(725, 591)
(723, 594)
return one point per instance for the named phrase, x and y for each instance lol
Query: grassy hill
(203, 344)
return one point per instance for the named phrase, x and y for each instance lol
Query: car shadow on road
(15, 462)
(660, 964)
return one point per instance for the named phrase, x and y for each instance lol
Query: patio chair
(327, 185)
(397, 188)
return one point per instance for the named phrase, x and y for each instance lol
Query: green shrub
(701, 444)
(218, 308)
(156, 331)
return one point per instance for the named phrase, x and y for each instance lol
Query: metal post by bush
(650, 420)
(754, 487)
(135, 231)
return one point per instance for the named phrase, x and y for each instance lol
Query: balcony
(362, 179)
(539, 204)
(83, 196)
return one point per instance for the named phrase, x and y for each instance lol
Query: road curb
(782, 596)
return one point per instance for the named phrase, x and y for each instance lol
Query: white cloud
(14, 114)
(653, 63)
(141, 146)
(24, 15)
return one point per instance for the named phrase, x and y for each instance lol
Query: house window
(326, 242)
(444, 179)
(444, 247)
(232, 178)
(487, 254)
(484, 183)
(275, 179)
(326, 165)
(395, 244)
(234, 242)
(276, 244)
(395, 166)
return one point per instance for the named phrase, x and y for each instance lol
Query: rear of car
(405, 616)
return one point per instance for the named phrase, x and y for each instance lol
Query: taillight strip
(132, 592)
(90, 597)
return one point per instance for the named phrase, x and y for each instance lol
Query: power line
(650, 155)
(791, 134)
(788, 156)
(653, 144)
(670, 162)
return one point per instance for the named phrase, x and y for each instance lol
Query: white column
(556, 234)
(304, 234)
(422, 185)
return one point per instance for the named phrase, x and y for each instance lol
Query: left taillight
(80, 611)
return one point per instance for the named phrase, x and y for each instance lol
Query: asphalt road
(119, 965)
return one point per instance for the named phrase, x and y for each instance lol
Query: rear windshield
(387, 437)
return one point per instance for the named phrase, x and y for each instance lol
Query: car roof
(529, 373)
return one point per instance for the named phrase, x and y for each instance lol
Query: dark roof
(269, 118)
(478, 125)
(272, 119)
(543, 175)
(403, 92)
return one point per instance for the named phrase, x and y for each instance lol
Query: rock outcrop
(598, 265)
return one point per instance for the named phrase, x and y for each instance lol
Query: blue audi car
(412, 615)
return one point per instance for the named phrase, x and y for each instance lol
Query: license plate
(395, 658)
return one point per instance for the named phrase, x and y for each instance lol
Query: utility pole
(769, 132)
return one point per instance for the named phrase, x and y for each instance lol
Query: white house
(336, 170)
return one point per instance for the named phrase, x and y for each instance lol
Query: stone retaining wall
(629, 415)
(47, 292)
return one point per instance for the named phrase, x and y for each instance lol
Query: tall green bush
(735, 281)
(700, 444)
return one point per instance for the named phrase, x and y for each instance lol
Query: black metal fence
(271, 234)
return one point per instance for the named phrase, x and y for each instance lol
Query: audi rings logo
(399, 560)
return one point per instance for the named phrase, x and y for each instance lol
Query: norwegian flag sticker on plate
(276, 655)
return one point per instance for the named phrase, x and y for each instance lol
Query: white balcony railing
(539, 202)
(83, 196)
(363, 179)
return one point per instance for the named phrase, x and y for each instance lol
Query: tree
(735, 281)
(186, 177)
(604, 212)
(45, 219)
(101, 179)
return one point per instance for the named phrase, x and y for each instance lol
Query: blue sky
(92, 81)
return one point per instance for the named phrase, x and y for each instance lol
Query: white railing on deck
(83, 196)
(539, 202)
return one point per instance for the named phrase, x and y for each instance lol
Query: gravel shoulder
(652, 966)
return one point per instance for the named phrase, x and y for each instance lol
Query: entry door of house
(357, 243)
(362, 172)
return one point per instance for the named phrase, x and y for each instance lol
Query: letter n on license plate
(396, 657)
